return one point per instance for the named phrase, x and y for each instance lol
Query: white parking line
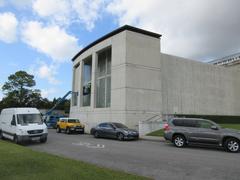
(89, 145)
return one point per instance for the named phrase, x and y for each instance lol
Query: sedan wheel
(179, 141)
(96, 135)
(120, 137)
(232, 145)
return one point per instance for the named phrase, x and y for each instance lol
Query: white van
(22, 124)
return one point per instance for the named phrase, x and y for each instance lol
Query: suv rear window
(184, 122)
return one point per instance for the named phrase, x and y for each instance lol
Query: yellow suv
(70, 125)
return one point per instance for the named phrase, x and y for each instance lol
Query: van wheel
(232, 145)
(58, 129)
(43, 140)
(16, 139)
(1, 136)
(179, 141)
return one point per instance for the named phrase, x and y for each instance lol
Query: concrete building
(124, 77)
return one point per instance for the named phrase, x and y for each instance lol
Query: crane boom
(58, 102)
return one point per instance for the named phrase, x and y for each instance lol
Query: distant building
(228, 61)
(124, 77)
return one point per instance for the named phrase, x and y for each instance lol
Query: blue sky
(41, 36)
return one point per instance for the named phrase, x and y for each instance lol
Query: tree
(18, 91)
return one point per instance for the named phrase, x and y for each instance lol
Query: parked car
(22, 124)
(184, 131)
(70, 125)
(114, 130)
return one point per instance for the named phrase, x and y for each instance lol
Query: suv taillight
(166, 127)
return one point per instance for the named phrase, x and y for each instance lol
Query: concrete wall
(135, 81)
(143, 81)
(146, 83)
(92, 116)
(191, 87)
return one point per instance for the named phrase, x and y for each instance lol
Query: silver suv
(184, 131)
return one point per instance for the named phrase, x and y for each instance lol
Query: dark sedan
(114, 130)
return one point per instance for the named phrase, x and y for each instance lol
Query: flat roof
(123, 28)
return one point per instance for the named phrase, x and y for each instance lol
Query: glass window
(185, 122)
(204, 124)
(25, 119)
(101, 64)
(178, 122)
(101, 93)
(190, 123)
(119, 125)
(103, 79)
(74, 98)
(103, 125)
(73, 121)
(87, 79)
(13, 122)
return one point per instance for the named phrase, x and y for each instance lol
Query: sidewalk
(152, 138)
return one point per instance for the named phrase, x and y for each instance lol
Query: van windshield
(25, 119)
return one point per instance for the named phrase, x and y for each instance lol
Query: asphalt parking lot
(159, 160)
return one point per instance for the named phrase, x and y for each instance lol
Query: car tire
(120, 136)
(68, 130)
(179, 141)
(43, 140)
(1, 136)
(16, 139)
(82, 132)
(58, 129)
(232, 145)
(96, 134)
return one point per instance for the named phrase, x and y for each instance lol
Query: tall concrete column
(93, 83)
(80, 84)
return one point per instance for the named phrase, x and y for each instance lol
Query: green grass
(21, 163)
(231, 126)
(160, 131)
(156, 133)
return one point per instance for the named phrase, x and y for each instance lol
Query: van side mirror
(214, 127)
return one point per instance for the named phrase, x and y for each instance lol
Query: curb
(152, 138)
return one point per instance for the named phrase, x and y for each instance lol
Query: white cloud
(8, 27)
(46, 71)
(65, 12)
(193, 29)
(51, 40)
(56, 10)
(88, 11)
(46, 93)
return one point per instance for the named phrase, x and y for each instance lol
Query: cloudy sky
(41, 36)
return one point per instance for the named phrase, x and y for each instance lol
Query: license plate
(78, 129)
(35, 138)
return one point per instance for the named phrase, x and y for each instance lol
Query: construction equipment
(51, 120)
